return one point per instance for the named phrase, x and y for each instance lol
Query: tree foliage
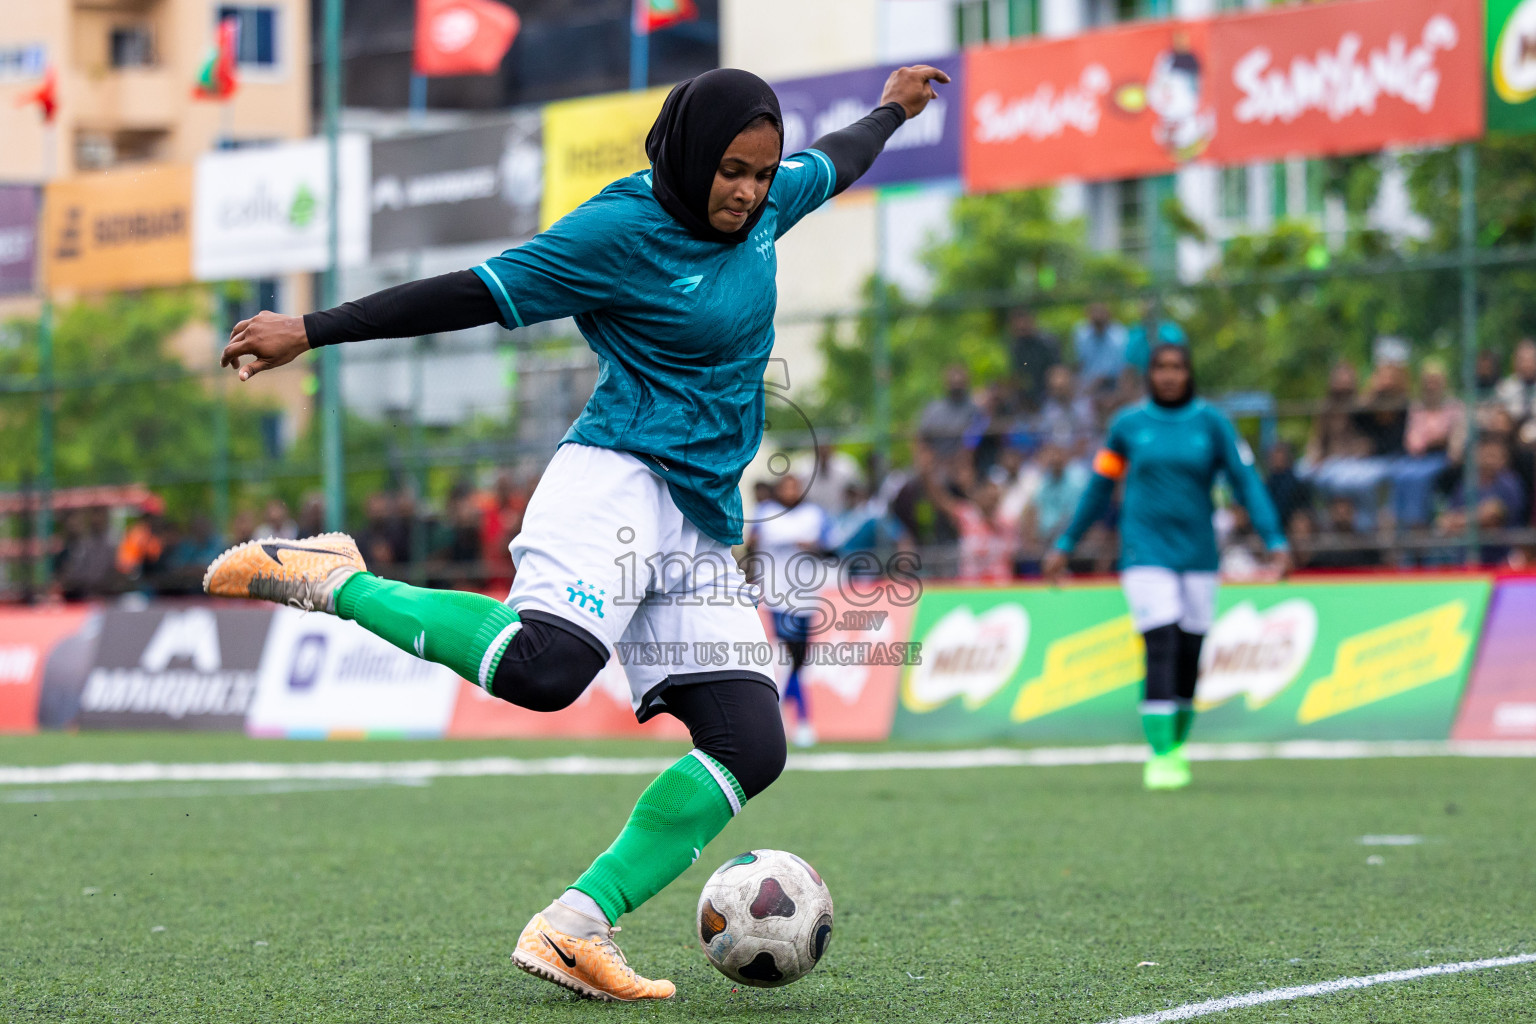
(128, 410)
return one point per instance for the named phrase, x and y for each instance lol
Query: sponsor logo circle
(1514, 56)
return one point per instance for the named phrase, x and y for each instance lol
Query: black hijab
(695, 127)
(1189, 389)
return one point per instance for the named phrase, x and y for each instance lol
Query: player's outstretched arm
(450, 302)
(853, 149)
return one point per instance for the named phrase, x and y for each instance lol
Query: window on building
(255, 34)
(1131, 215)
(1234, 194)
(1317, 186)
(995, 21)
(244, 300)
(1111, 12)
(132, 46)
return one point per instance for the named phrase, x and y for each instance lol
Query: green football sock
(467, 632)
(1183, 720)
(678, 814)
(1157, 721)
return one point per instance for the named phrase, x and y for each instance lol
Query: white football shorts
(605, 550)
(1164, 597)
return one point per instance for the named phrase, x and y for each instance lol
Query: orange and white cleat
(577, 952)
(302, 573)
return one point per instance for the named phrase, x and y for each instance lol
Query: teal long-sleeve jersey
(1169, 459)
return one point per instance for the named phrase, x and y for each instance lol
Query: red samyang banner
(1346, 77)
(1110, 104)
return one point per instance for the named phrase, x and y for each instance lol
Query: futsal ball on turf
(765, 918)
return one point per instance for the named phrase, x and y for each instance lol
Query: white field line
(1322, 988)
(180, 790)
(987, 757)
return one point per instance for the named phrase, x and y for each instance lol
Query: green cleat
(1166, 771)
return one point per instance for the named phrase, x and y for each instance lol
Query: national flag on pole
(216, 79)
(651, 15)
(46, 96)
(462, 37)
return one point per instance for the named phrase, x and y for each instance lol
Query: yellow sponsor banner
(589, 143)
(1389, 660)
(129, 228)
(1082, 666)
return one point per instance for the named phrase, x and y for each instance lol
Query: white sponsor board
(267, 210)
(322, 676)
(1256, 654)
(970, 656)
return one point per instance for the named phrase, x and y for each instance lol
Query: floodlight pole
(332, 463)
(1466, 165)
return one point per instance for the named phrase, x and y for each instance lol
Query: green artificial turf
(972, 895)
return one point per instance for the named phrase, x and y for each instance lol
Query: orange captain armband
(1109, 464)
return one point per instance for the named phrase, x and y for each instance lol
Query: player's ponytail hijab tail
(1182, 353)
(696, 125)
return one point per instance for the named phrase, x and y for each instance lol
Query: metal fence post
(331, 454)
(45, 441)
(1466, 164)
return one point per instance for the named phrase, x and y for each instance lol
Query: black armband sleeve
(852, 150)
(450, 302)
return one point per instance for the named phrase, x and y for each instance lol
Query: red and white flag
(462, 37)
(651, 15)
(45, 97)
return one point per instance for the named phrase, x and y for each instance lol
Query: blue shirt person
(1099, 345)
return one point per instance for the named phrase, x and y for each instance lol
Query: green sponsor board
(1511, 83)
(1338, 660)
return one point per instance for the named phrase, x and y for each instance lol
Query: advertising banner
(922, 149)
(266, 210)
(321, 677)
(1314, 80)
(1358, 660)
(1511, 66)
(1348, 77)
(129, 228)
(173, 667)
(19, 207)
(451, 188)
(1500, 702)
(1109, 104)
(853, 665)
(590, 143)
(28, 637)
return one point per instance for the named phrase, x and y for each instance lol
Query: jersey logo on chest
(764, 245)
(686, 285)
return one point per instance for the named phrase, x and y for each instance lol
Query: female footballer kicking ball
(670, 276)
(1168, 450)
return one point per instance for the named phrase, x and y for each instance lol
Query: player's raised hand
(273, 338)
(912, 88)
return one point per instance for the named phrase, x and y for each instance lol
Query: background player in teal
(1167, 451)
(669, 274)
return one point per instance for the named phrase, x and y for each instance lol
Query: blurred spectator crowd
(1390, 473)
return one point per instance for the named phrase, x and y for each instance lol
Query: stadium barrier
(1363, 658)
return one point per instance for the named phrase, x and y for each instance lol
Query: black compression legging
(735, 721)
(1173, 663)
